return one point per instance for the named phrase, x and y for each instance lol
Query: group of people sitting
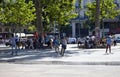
(93, 42)
(88, 42)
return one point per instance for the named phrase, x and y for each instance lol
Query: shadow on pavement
(27, 55)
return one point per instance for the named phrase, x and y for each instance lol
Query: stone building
(110, 25)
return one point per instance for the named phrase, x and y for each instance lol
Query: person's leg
(62, 50)
(56, 49)
(78, 44)
(16, 49)
(12, 51)
(106, 48)
(109, 48)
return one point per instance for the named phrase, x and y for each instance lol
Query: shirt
(12, 41)
(64, 41)
(108, 41)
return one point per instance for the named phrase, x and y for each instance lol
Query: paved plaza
(37, 70)
(73, 56)
(46, 63)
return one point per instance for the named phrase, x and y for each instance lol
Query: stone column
(73, 29)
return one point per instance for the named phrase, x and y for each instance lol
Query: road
(36, 70)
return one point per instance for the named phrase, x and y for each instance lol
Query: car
(71, 40)
(117, 38)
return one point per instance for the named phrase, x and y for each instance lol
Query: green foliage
(22, 12)
(58, 10)
(32, 28)
(107, 10)
(17, 11)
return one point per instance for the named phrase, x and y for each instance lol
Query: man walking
(13, 44)
(64, 45)
(108, 42)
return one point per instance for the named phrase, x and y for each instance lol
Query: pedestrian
(114, 40)
(17, 40)
(51, 43)
(13, 45)
(108, 42)
(31, 44)
(64, 45)
(56, 44)
(87, 43)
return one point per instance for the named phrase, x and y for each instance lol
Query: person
(17, 40)
(79, 41)
(13, 45)
(31, 44)
(64, 45)
(51, 43)
(108, 42)
(87, 43)
(114, 41)
(56, 44)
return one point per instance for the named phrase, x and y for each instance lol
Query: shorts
(64, 46)
(108, 44)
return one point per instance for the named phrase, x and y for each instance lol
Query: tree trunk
(97, 21)
(38, 8)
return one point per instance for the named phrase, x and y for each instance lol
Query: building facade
(110, 25)
(77, 23)
(6, 31)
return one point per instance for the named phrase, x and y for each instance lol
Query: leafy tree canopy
(58, 10)
(107, 10)
(17, 11)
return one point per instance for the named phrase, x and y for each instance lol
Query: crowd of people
(56, 41)
(87, 42)
(37, 43)
(92, 42)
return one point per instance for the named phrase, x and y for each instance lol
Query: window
(6, 29)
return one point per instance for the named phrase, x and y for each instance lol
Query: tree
(106, 9)
(58, 11)
(17, 11)
(97, 20)
(38, 7)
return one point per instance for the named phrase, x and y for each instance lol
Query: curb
(111, 63)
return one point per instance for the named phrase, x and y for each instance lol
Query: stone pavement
(73, 56)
